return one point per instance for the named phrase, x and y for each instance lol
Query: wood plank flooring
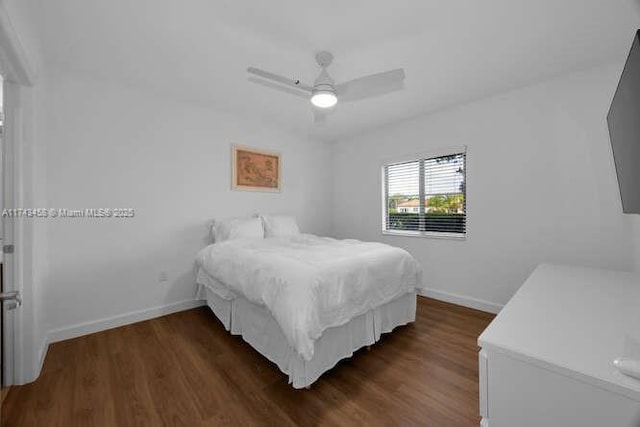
(185, 369)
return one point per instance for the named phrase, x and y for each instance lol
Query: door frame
(22, 364)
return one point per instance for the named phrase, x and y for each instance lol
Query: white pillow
(279, 226)
(237, 228)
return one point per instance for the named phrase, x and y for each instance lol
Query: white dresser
(546, 359)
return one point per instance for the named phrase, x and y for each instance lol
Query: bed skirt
(258, 328)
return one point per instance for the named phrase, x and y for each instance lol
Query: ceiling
(453, 51)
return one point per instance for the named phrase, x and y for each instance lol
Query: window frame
(418, 157)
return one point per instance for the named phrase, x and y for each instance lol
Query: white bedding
(310, 283)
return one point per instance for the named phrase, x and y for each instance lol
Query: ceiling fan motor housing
(324, 93)
(324, 88)
(324, 82)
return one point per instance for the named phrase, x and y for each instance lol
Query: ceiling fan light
(324, 99)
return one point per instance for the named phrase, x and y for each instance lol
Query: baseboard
(86, 328)
(43, 353)
(41, 356)
(478, 304)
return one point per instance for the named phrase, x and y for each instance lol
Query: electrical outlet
(162, 277)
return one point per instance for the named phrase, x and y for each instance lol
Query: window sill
(426, 234)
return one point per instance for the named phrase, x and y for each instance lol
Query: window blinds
(426, 196)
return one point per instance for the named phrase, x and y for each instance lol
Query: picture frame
(254, 169)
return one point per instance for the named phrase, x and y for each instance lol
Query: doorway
(19, 358)
(3, 390)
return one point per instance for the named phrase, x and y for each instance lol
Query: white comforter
(311, 283)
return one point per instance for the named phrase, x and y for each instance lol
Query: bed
(306, 302)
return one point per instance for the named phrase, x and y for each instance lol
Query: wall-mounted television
(624, 130)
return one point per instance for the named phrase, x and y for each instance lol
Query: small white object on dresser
(547, 358)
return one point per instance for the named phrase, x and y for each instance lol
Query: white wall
(114, 147)
(541, 186)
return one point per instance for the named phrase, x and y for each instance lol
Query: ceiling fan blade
(370, 86)
(279, 79)
(285, 89)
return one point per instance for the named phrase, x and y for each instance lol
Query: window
(426, 196)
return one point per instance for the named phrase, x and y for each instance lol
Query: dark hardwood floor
(185, 369)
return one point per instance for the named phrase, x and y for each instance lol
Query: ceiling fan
(325, 93)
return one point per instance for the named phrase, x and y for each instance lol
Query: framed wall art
(254, 169)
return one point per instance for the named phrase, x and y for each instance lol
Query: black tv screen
(624, 130)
